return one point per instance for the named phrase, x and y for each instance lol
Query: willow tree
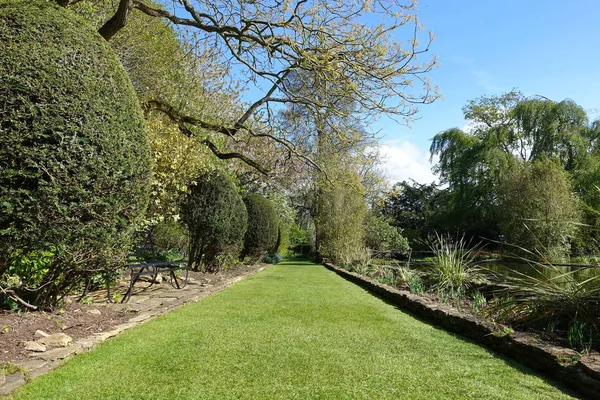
(266, 42)
(507, 131)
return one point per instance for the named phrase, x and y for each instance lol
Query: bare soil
(82, 320)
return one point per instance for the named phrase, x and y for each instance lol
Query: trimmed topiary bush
(74, 157)
(216, 218)
(263, 224)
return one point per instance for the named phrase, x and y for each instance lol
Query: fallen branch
(13, 295)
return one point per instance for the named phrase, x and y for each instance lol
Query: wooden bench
(144, 262)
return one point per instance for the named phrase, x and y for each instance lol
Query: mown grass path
(293, 331)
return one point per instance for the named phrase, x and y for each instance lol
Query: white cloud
(485, 80)
(404, 161)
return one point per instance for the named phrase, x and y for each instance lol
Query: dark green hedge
(74, 157)
(216, 218)
(263, 225)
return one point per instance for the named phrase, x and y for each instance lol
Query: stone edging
(42, 363)
(583, 376)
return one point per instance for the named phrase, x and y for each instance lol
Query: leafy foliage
(216, 217)
(169, 235)
(505, 133)
(539, 210)
(340, 219)
(381, 236)
(177, 162)
(263, 226)
(417, 209)
(74, 156)
(286, 216)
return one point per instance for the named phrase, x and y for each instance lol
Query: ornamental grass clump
(403, 275)
(383, 274)
(454, 269)
(553, 301)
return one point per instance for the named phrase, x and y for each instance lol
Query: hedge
(74, 157)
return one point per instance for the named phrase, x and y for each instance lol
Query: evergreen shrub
(74, 157)
(263, 227)
(216, 217)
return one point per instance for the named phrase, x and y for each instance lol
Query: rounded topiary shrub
(263, 225)
(216, 218)
(74, 157)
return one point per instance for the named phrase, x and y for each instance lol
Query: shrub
(382, 237)
(272, 258)
(216, 218)
(539, 210)
(263, 223)
(74, 157)
(170, 235)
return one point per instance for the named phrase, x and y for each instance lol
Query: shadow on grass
(298, 260)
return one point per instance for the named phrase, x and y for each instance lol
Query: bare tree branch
(234, 155)
(359, 63)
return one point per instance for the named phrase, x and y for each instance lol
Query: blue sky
(489, 47)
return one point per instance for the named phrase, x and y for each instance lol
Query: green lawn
(293, 331)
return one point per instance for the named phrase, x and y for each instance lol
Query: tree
(506, 131)
(74, 157)
(539, 209)
(263, 227)
(419, 210)
(267, 43)
(340, 230)
(216, 217)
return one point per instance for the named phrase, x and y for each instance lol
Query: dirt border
(582, 375)
(160, 302)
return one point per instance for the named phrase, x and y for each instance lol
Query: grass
(293, 331)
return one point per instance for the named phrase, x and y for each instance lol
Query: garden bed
(581, 372)
(98, 317)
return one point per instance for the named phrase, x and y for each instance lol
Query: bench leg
(127, 294)
(135, 276)
(179, 282)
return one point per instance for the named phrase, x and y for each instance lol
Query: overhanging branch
(234, 155)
